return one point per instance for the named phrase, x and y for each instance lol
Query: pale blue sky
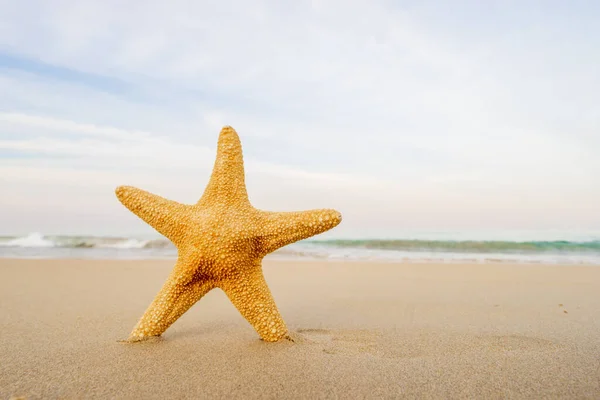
(457, 115)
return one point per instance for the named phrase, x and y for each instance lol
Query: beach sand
(363, 330)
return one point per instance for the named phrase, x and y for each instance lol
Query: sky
(403, 115)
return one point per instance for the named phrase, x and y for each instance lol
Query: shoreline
(307, 260)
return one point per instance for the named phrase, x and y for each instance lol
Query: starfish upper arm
(227, 183)
(279, 229)
(163, 215)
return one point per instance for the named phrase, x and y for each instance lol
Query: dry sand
(363, 331)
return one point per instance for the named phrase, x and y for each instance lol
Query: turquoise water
(467, 246)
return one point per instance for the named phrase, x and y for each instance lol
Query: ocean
(447, 247)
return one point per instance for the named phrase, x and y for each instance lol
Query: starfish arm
(162, 214)
(227, 182)
(180, 292)
(250, 294)
(282, 228)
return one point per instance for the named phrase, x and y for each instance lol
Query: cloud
(128, 148)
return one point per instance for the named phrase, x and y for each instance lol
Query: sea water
(493, 247)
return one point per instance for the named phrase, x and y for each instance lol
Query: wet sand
(362, 330)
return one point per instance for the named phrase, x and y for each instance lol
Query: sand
(362, 331)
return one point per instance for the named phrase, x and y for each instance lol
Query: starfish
(221, 241)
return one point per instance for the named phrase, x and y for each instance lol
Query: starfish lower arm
(252, 297)
(171, 302)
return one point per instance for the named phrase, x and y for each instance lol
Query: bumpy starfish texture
(221, 241)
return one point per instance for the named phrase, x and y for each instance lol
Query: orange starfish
(221, 241)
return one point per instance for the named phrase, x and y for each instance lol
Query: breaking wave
(37, 240)
(32, 240)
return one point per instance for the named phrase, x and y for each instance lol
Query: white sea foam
(125, 244)
(33, 240)
(319, 252)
